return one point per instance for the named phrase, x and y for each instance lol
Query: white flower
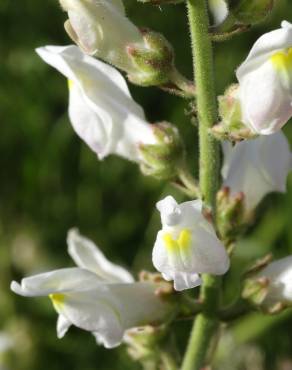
(187, 245)
(219, 10)
(97, 296)
(257, 167)
(101, 109)
(265, 80)
(101, 28)
(279, 274)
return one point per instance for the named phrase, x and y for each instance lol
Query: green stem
(207, 321)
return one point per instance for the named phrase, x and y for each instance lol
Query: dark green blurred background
(50, 181)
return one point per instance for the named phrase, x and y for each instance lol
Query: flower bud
(231, 126)
(153, 63)
(162, 159)
(230, 216)
(251, 11)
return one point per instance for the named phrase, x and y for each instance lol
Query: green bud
(231, 218)
(155, 63)
(231, 127)
(162, 160)
(256, 290)
(251, 11)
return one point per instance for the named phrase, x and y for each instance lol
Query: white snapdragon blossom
(101, 109)
(187, 245)
(279, 275)
(101, 28)
(265, 80)
(219, 10)
(96, 296)
(257, 167)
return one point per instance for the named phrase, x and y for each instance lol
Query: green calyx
(163, 159)
(251, 11)
(231, 126)
(231, 217)
(256, 290)
(154, 63)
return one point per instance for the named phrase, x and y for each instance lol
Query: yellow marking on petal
(169, 242)
(57, 298)
(283, 59)
(70, 84)
(183, 241)
(185, 238)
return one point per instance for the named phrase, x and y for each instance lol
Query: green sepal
(231, 217)
(256, 290)
(163, 160)
(251, 11)
(231, 126)
(155, 63)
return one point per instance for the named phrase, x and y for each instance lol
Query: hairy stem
(207, 321)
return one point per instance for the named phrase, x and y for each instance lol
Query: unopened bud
(231, 218)
(231, 127)
(251, 11)
(163, 159)
(153, 63)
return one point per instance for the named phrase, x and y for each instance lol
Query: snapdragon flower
(257, 167)
(187, 244)
(265, 82)
(101, 109)
(97, 296)
(101, 28)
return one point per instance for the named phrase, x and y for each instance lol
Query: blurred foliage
(50, 181)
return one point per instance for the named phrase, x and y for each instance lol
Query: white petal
(95, 129)
(192, 215)
(279, 274)
(109, 310)
(62, 326)
(264, 47)
(58, 281)
(265, 101)
(160, 257)
(183, 280)
(93, 312)
(219, 10)
(103, 29)
(208, 254)
(87, 255)
(257, 167)
(149, 307)
(169, 210)
(190, 247)
(102, 110)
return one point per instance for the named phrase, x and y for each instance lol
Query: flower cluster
(101, 297)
